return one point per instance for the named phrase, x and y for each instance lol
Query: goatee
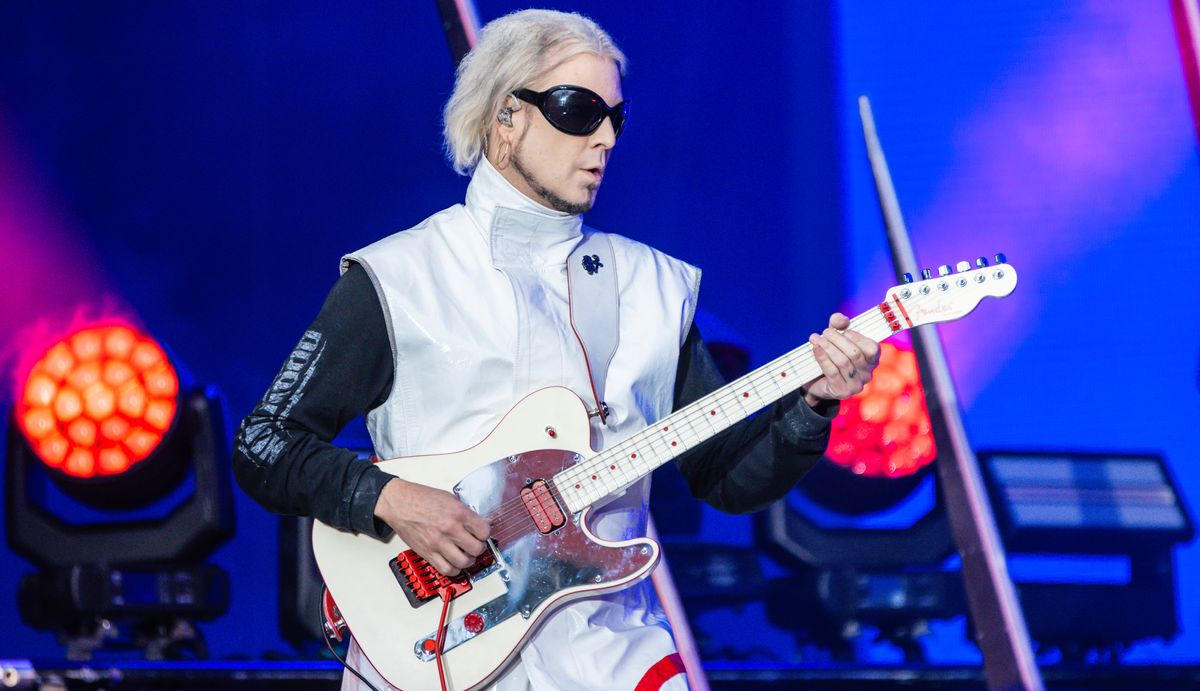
(553, 200)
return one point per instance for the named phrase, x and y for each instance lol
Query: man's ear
(508, 121)
(511, 105)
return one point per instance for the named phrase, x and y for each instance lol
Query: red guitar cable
(447, 595)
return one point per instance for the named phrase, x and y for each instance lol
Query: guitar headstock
(950, 295)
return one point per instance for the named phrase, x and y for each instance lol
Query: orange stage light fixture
(884, 431)
(117, 487)
(99, 402)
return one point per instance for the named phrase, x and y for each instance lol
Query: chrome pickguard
(535, 567)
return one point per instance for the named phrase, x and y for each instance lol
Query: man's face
(558, 170)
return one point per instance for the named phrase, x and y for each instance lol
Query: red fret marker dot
(612, 467)
(713, 413)
(633, 455)
(593, 477)
(783, 374)
(577, 485)
(674, 444)
(745, 394)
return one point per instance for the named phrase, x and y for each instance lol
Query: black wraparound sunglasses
(574, 109)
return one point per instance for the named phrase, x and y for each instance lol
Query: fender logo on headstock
(920, 310)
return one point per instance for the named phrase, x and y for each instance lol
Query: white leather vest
(477, 308)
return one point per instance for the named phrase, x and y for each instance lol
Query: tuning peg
(907, 278)
(962, 266)
(981, 262)
(944, 270)
(926, 274)
(1001, 259)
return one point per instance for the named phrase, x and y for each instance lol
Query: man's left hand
(847, 359)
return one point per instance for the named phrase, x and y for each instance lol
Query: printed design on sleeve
(263, 436)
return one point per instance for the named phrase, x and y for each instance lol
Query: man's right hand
(434, 523)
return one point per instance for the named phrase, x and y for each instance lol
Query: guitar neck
(620, 466)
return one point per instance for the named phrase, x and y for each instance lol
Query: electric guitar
(535, 479)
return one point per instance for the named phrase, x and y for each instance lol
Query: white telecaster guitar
(535, 478)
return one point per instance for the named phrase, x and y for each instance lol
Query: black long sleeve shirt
(343, 367)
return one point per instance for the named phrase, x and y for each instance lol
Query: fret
(687, 433)
(641, 453)
(658, 445)
(757, 385)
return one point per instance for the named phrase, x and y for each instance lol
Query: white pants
(593, 644)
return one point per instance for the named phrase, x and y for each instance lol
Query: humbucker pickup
(543, 508)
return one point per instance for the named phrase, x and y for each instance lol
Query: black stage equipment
(117, 486)
(300, 587)
(1125, 507)
(840, 601)
(300, 584)
(714, 575)
(849, 575)
(194, 528)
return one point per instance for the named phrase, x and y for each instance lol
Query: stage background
(200, 167)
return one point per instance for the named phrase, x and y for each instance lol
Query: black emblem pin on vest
(591, 263)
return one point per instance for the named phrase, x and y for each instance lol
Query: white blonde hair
(513, 52)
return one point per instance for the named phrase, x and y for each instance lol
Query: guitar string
(720, 399)
(724, 399)
(512, 511)
(799, 360)
(728, 400)
(864, 322)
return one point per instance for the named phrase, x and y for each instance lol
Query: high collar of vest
(520, 231)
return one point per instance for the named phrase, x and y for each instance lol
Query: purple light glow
(50, 283)
(1046, 172)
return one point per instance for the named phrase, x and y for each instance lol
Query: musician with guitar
(525, 373)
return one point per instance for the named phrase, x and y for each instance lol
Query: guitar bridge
(422, 583)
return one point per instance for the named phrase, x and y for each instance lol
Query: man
(436, 331)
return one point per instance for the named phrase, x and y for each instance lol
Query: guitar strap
(594, 301)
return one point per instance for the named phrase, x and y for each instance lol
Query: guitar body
(540, 560)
